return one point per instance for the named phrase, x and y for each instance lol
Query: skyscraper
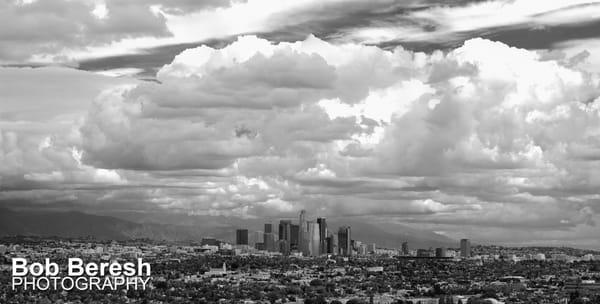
(345, 241)
(269, 238)
(440, 252)
(284, 229)
(334, 244)
(465, 248)
(371, 248)
(322, 235)
(285, 236)
(313, 239)
(295, 230)
(256, 237)
(302, 233)
(405, 248)
(241, 237)
(362, 249)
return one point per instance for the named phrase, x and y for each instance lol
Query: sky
(477, 119)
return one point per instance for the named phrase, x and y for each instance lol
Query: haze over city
(465, 119)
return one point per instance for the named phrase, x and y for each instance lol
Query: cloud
(519, 23)
(180, 7)
(100, 35)
(485, 135)
(38, 127)
(46, 27)
(42, 30)
(107, 41)
(533, 101)
(49, 99)
(585, 50)
(207, 95)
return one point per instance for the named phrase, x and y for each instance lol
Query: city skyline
(314, 239)
(193, 272)
(463, 119)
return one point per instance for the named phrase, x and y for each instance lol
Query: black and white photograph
(300, 151)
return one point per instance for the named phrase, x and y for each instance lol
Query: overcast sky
(476, 119)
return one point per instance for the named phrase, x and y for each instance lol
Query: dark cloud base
(522, 36)
(148, 60)
(525, 36)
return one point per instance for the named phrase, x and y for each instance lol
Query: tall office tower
(465, 248)
(241, 237)
(272, 241)
(345, 241)
(285, 229)
(334, 244)
(302, 232)
(268, 228)
(362, 249)
(284, 246)
(285, 236)
(441, 252)
(371, 248)
(256, 237)
(295, 230)
(269, 238)
(328, 245)
(405, 248)
(313, 239)
(322, 235)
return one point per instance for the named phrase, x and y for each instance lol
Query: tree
(317, 300)
(273, 296)
(580, 301)
(356, 301)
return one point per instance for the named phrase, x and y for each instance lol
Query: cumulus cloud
(483, 135)
(459, 124)
(38, 127)
(206, 96)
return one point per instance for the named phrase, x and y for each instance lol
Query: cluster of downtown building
(308, 238)
(313, 238)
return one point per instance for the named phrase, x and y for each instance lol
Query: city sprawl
(305, 263)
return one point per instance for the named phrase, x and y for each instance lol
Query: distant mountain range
(191, 228)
